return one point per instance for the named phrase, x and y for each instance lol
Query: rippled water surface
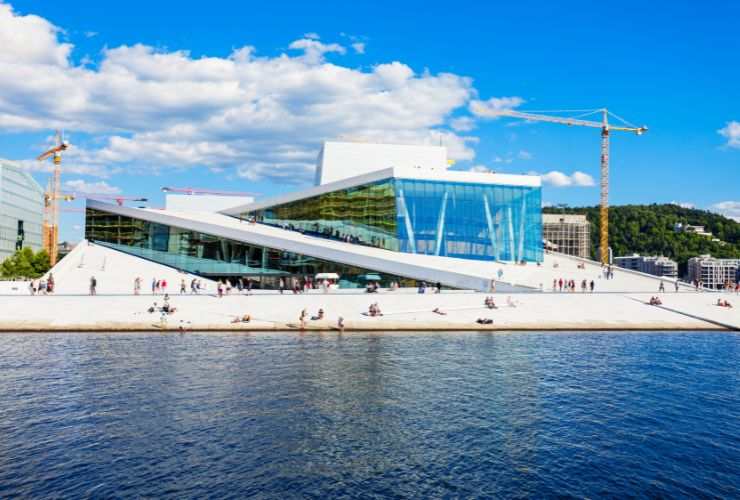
(428, 415)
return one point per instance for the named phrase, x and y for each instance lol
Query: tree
(650, 230)
(25, 264)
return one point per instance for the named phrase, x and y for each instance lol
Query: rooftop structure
(568, 233)
(21, 210)
(341, 160)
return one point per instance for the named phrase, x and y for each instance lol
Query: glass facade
(453, 219)
(21, 210)
(364, 214)
(208, 255)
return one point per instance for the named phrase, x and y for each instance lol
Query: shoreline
(403, 312)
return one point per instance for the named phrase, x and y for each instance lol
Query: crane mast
(606, 128)
(50, 230)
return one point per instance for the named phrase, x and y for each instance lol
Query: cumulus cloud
(731, 132)
(524, 155)
(557, 178)
(729, 209)
(314, 50)
(683, 204)
(84, 187)
(359, 47)
(263, 117)
(479, 168)
(462, 124)
(490, 108)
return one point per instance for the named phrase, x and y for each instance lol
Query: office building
(713, 272)
(567, 233)
(21, 210)
(655, 265)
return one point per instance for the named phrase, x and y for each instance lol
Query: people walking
(137, 285)
(661, 288)
(183, 287)
(154, 286)
(93, 285)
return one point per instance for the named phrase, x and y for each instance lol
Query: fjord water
(402, 415)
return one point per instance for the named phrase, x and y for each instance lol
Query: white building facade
(655, 265)
(713, 272)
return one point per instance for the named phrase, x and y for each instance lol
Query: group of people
(165, 308)
(655, 301)
(570, 285)
(423, 287)
(723, 303)
(317, 317)
(159, 286)
(374, 310)
(301, 285)
(42, 286)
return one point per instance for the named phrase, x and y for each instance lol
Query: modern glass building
(452, 218)
(357, 227)
(21, 210)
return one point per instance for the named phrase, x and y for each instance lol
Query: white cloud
(729, 209)
(462, 124)
(731, 132)
(492, 106)
(557, 178)
(311, 35)
(84, 187)
(149, 109)
(479, 168)
(524, 155)
(90, 34)
(501, 159)
(582, 179)
(683, 204)
(30, 39)
(359, 47)
(314, 50)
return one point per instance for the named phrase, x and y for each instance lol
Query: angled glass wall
(365, 215)
(208, 255)
(469, 221)
(454, 219)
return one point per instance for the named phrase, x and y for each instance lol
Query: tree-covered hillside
(649, 230)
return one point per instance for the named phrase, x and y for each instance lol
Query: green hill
(649, 230)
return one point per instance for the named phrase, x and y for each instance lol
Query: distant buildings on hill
(567, 233)
(655, 265)
(679, 227)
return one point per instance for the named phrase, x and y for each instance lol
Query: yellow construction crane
(605, 127)
(50, 236)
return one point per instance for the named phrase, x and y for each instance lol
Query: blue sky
(165, 93)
